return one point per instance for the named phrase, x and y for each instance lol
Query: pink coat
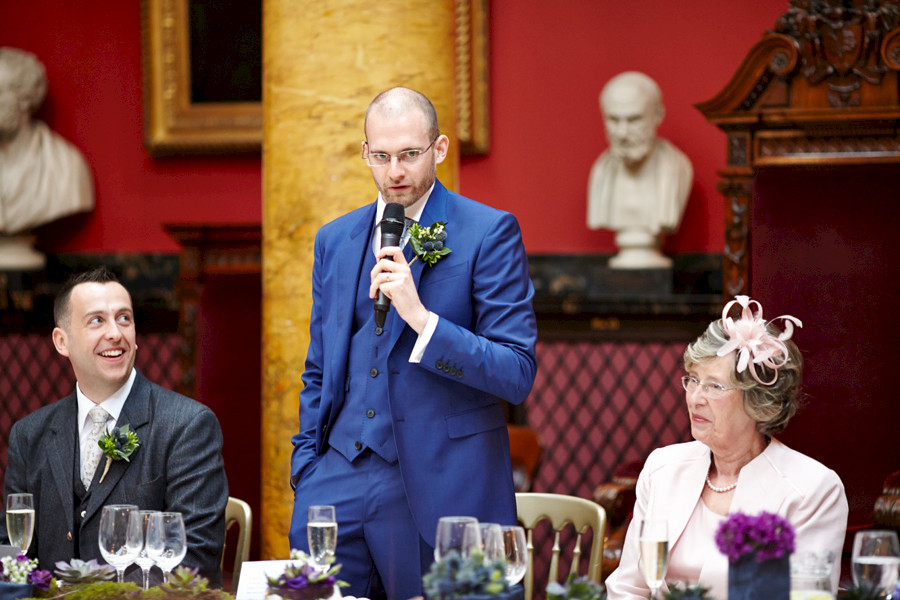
(779, 480)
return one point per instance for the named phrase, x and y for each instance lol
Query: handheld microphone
(392, 223)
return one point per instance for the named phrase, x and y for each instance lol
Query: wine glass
(491, 542)
(876, 559)
(166, 541)
(321, 533)
(654, 543)
(456, 533)
(20, 520)
(142, 560)
(515, 548)
(120, 536)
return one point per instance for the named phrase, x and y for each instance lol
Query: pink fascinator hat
(749, 336)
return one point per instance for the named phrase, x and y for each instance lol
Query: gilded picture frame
(175, 124)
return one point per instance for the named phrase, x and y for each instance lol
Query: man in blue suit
(403, 425)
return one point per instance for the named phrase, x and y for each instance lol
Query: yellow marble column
(323, 62)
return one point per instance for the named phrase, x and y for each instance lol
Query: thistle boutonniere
(428, 242)
(118, 444)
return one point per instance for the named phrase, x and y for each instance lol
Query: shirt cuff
(419, 349)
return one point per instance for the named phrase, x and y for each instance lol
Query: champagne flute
(143, 560)
(120, 536)
(491, 542)
(876, 559)
(515, 547)
(654, 543)
(321, 533)
(460, 534)
(20, 520)
(166, 541)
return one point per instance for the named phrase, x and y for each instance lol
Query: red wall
(549, 61)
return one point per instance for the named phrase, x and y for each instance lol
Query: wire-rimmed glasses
(710, 389)
(405, 157)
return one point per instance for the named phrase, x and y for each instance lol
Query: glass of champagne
(143, 560)
(166, 540)
(515, 547)
(876, 559)
(321, 533)
(460, 534)
(120, 536)
(654, 543)
(20, 520)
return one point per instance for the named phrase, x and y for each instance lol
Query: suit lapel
(61, 454)
(344, 295)
(136, 414)
(683, 505)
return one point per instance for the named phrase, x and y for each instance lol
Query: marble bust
(640, 184)
(42, 176)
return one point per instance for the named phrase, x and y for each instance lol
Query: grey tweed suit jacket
(178, 467)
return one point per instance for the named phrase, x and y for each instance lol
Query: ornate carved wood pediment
(820, 88)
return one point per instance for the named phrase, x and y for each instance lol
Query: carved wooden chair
(525, 454)
(617, 497)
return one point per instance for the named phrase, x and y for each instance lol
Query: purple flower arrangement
(21, 569)
(766, 536)
(302, 581)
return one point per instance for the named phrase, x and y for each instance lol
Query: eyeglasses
(406, 157)
(710, 388)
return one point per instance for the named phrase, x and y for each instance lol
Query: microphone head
(393, 220)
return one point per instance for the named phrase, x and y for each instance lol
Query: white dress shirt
(414, 212)
(113, 405)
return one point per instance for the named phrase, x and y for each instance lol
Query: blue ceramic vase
(766, 580)
(13, 591)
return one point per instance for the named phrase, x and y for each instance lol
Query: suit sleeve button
(446, 368)
(459, 374)
(439, 366)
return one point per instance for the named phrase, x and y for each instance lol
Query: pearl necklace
(720, 490)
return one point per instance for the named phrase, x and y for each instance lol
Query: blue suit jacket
(178, 467)
(446, 413)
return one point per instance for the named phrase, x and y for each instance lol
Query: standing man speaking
(403, 424)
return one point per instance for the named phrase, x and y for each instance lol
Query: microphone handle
(382, 302)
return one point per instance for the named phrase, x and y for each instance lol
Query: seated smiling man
(53, 452)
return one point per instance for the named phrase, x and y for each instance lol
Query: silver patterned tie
(92, 456)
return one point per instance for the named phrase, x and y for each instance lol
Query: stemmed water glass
(876, 560)
(654, 543)
(321, 533)
(166, 540)
(20, 520)
(461, 534)
(120, 536)
(142, 560)
(515, 548)
(491, 542)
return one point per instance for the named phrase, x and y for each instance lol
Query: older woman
(742, 384)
